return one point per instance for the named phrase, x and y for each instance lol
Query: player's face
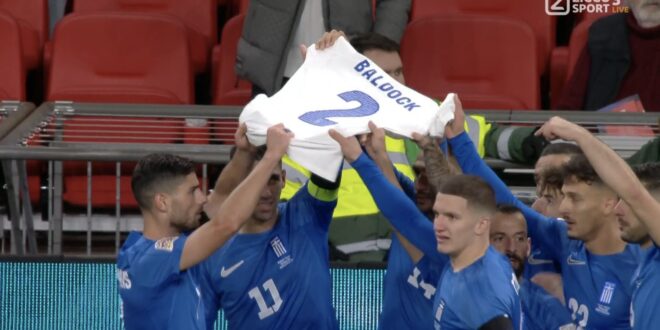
(454, 224)
(390, 62)
(266, 209)
(423, 192)
(582, 208)
(647, 12)
(508, 235)
(632, 230)
(187, 202)
(551, 200)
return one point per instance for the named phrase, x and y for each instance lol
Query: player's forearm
(616, 173)
(437, 166)
(240, 204)
(232, 175)
(397, 207)
(384, 164)
(230, 216)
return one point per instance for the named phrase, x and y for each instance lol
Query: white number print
(123, 279)
(429, 290)
(265, 310)
(581, 311)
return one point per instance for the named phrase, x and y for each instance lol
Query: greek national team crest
(284, 258)
(606, 298)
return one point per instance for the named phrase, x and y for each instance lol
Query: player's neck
(606, 241)
(469, 255)
(254, 226)
(155, 230)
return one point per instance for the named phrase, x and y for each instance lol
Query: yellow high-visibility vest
(354, 197)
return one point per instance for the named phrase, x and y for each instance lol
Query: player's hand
(350, 146)
(457, 125)
(277, 140)
(374, 142)
(241, 140)
(560, 128)
(328, 39)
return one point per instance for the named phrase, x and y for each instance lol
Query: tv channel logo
(557, 7)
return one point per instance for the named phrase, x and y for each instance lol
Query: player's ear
(161, 202)
(483, 225)
(609, 203)
(529, 246)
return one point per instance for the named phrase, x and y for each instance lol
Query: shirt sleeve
(398, 208)
(160, 264)
(406, 184)
(547, 233)
(313, 205)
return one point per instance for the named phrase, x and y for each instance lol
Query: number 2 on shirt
(368, 106)
(265, 310)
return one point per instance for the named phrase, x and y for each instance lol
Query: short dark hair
(561, 148)
(157, 172)
(373, 41)
(474, 189)
(579, 168)
(508, 209)
(551, 179)
(649, 175)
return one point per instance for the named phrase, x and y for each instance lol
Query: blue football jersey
(278, 279)
(539, 261)
(154, 293)
(408, 290)
(477, 294)
(597, 288)
(542, 311)
(645, 308)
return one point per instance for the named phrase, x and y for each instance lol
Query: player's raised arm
(375, 145)
(234, 172)
(392, 202)
(542, 230)
(239, 205)
(611, 169)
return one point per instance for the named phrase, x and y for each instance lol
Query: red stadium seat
(113, 57)
(199, 16)
(228, 88)
(120, 58)
(12, 84)
(32, 18)
(465, 54)
(531, 12)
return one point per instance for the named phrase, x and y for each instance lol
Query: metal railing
(66, 131)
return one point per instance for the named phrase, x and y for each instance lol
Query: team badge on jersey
(165, 244)
(606, 298)
(284, 259)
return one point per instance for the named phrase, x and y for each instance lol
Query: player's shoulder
(499, 275)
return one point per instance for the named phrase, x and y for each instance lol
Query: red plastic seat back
(32, 18)
(120, 58)
(12, 83)
(466, 55)
(228, 88)
(199, 16)
(531, 12)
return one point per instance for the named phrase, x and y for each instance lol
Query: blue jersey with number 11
(278, 279)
